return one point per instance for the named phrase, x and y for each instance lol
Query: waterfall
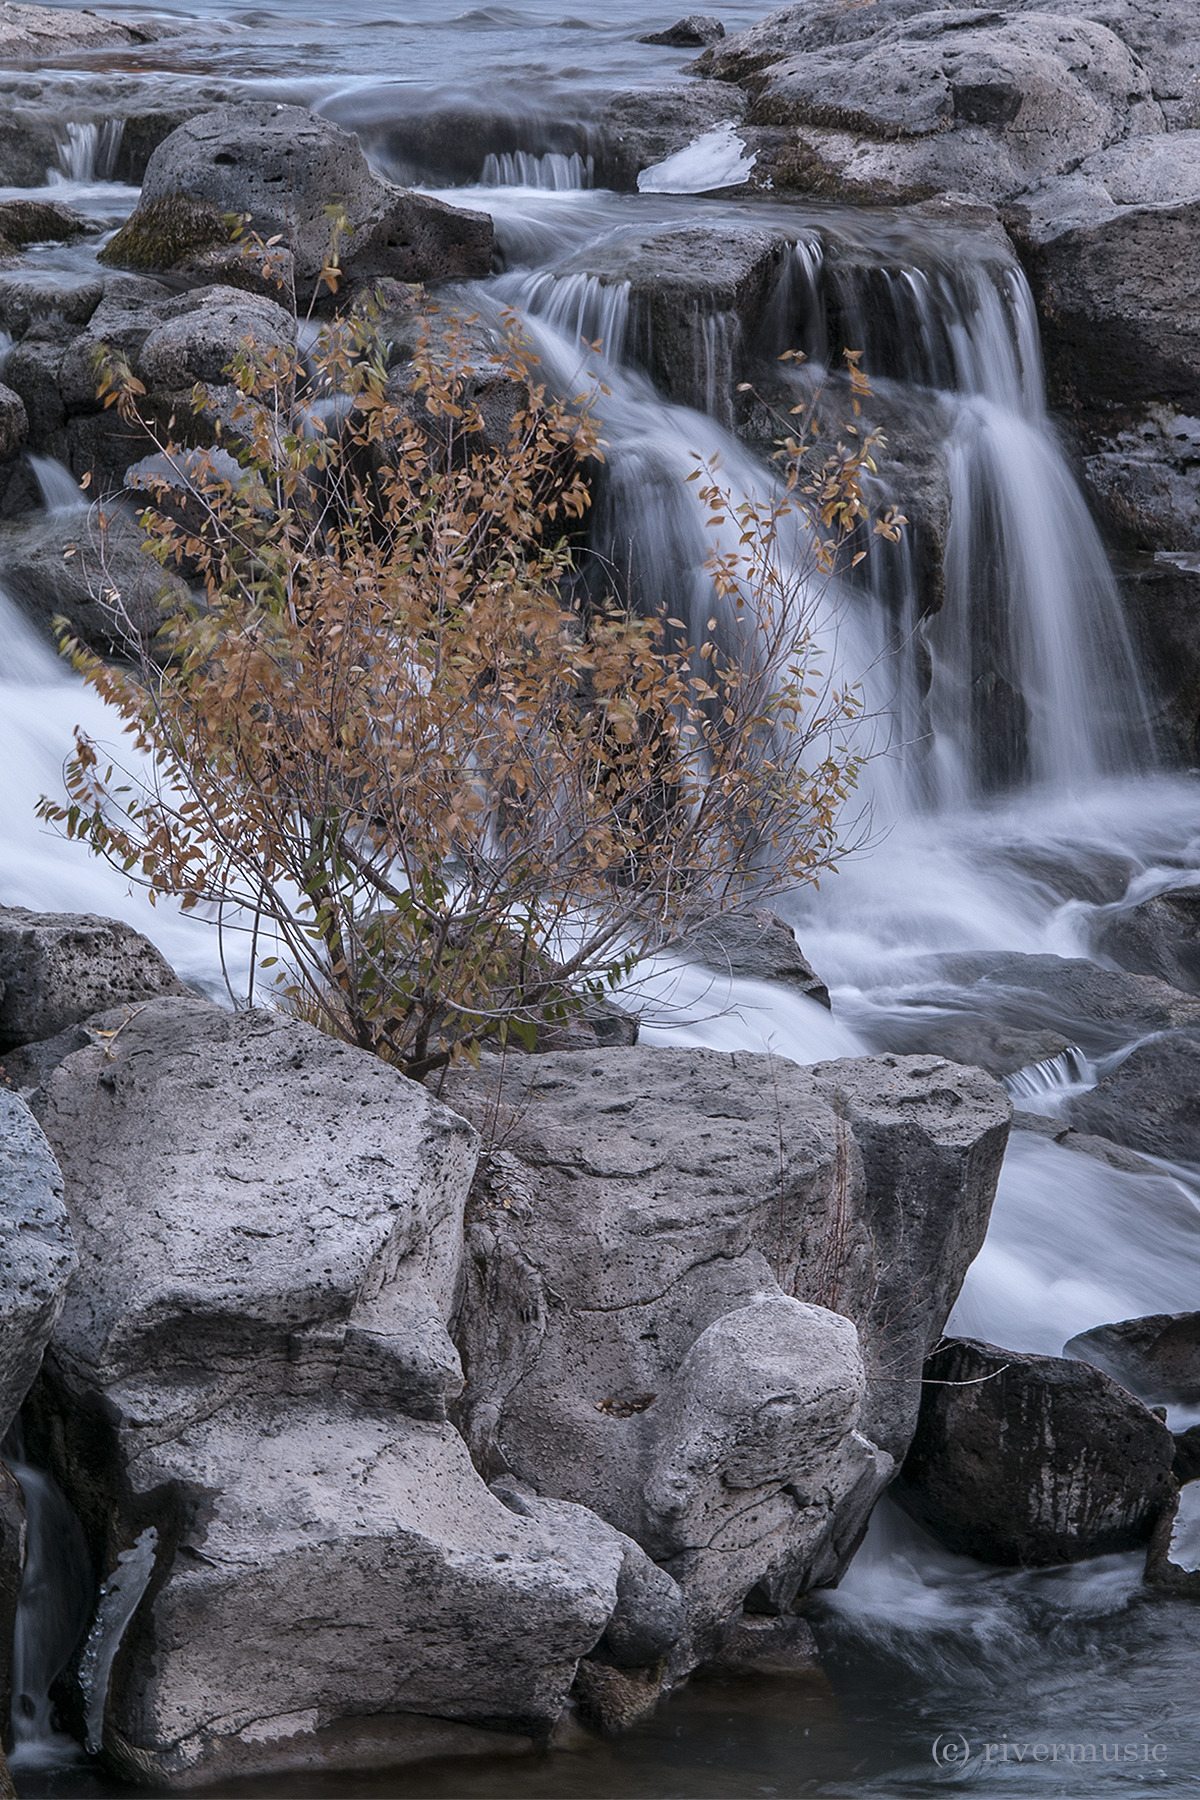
(579, 309)
(1026, 673)
(553, 172)
(87, 151)
(60, 491)
(53, 1610)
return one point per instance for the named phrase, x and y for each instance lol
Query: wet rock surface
(754, 946)
(1156, 1358)
(1159, 937)
(286, 168)
(63, 568)
(1033, 1460)
(1098, 1009)
(1151, 1101)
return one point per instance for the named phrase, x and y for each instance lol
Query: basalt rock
(57, 968)
(1151, 1100)
(697, 31)
(906, 101)
(1156, 1358)
(14, 423)
(254, 1367)
(654, 1255)
(1159, 937)
(1110, 252)
(1033, 1460)
(37, 1257)
(38, 33)
(699, 295)
(755, 945)
(97, 576)
(284, 168)
(634, 130)
(1098, 1009)
(37, 221)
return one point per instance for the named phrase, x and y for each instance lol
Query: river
(922, 1650)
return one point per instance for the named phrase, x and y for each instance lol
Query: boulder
(633, 130)
(57, 968)
(1159, 937)
(927, 100)
(658, 1258)
(66, 567)
(284, 168)
(698, 297)
(28, 146)
(171, 342)
(1173, 1559)
(1156, 1358)
(1151, 1100)
(37, 1257)
(1110, 250)
(14, 423)
(697, 31)
(1098, 1009)
(754, 945)
(975, 1042)
(194, 242)
(1032, 1460)
(39, 221)
(270, 1234)
(37, 33)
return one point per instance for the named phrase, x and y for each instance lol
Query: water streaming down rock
(60, 491)
(53, 1610)
(87, 151)
(552, 171)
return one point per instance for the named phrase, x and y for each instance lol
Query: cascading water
(552, 171)
(87, 151)
(54, 1607)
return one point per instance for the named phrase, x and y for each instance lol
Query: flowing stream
(1021, 796)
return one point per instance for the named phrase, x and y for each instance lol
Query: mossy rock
(164, 233)
(39, 222)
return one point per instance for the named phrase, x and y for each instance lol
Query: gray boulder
(285, 167)
(658, 1257)
(755, 945)
(1111, 254)
(697, 31)
(1151, 1101)
(34, 33)
(635, 129)
(1156, 1358)
(1032, 1460)
(270, 1233)
(1098, 1009)
(1159, 937)
(928, 100)
(14, 423)
(68, 567)
(28, 146)
(698, 297)
(57, 968)
(37, 1257)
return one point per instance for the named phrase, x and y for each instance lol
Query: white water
(87, 151)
